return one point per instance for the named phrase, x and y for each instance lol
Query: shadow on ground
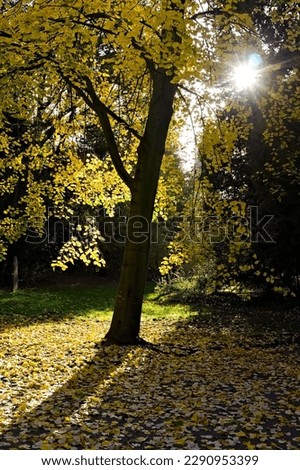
(170, 396)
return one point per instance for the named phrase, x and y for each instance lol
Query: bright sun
(245, 75)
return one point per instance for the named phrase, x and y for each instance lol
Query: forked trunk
(125, 326)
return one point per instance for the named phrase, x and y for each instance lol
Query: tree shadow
(54, 418)
(54, 411)
(165, 396)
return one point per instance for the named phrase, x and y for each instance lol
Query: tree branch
(214, 12)
(31, 66)
(3, 34)
(82, 23)
(122, 121)
(92, 100)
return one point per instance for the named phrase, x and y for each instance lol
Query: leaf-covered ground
(208, 382)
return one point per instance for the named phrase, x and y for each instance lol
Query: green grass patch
(69, 300)
(76, 300)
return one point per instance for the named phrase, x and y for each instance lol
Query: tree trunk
(15, 274)
(125, 324)
(126, 319)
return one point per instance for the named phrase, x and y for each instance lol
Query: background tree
(249, 159)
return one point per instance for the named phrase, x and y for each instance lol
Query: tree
(125, 61)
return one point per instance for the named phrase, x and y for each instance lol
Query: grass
(67, 300)
(94, 301)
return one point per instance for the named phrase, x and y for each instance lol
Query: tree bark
(15, 274)
(125, 325)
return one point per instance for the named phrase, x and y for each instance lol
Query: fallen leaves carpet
(197, 388)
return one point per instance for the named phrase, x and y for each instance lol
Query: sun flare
(245, 76)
